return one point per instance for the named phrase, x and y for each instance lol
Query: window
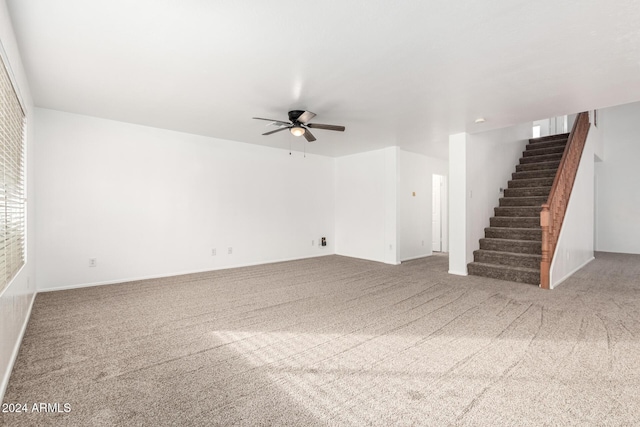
(12, 194)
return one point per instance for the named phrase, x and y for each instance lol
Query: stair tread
(525, 210)
(547, 144)
(523, 182)
(519, 233)
(516, 217)
(498, 239)
(538, 203)
(540, 158)
(544, 193)
(548, 162)
(522, 197)
(511, 229)
(517, 221)
(539, 173)
(513, 254)
(544, 172)
(540, 166)
(537, 179)
(532, 152)
(549, 138)
(545, 187)
(506, 267)
(517, 207)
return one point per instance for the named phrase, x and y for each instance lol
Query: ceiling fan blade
(309, 135)
(274, 121)
(274, 131)
(325, 127)
(306, 116)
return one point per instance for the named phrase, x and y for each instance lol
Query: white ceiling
(405, 73)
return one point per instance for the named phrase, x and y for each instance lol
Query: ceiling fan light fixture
(297, 130)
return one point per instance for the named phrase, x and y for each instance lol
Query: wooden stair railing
(553, 211)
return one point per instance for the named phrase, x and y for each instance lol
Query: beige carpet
(337, 341)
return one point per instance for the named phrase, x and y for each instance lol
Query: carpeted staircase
(512, 247)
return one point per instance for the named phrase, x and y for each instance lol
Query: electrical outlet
(313, 243)
(93, 262)
(230, 251)
(423, 243)
(213, 252)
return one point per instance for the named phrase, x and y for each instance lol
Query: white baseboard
(362, 258)
(181, 273)
(553, 285)
(458, 273)
(16, 349)
(416, 257)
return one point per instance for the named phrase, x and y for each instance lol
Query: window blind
(12, 193)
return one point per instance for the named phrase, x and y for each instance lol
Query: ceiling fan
(299, 125)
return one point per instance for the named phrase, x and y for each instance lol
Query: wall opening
(536, 131)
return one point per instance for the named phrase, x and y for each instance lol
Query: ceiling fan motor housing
(294, 115)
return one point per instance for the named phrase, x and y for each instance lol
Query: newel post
(545, 263)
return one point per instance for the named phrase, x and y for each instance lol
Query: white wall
(491, 159)
(575, 243)
(415, 173)
(618, 180)
(149, 202)
(392, 252)
(366, 208)
(17, 298)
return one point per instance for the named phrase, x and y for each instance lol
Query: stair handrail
(553, 211)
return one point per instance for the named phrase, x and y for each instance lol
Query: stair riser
(541, 159)
(513, 233)
(518, 247)
(542, 151)
(527, 191)
(532, 261)
(546, 173)
(537, 166)
(548, 138)
(518, 211)
(533, 182)
(522, 201)
(549, 144)
(502, 274)
(506, 221)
